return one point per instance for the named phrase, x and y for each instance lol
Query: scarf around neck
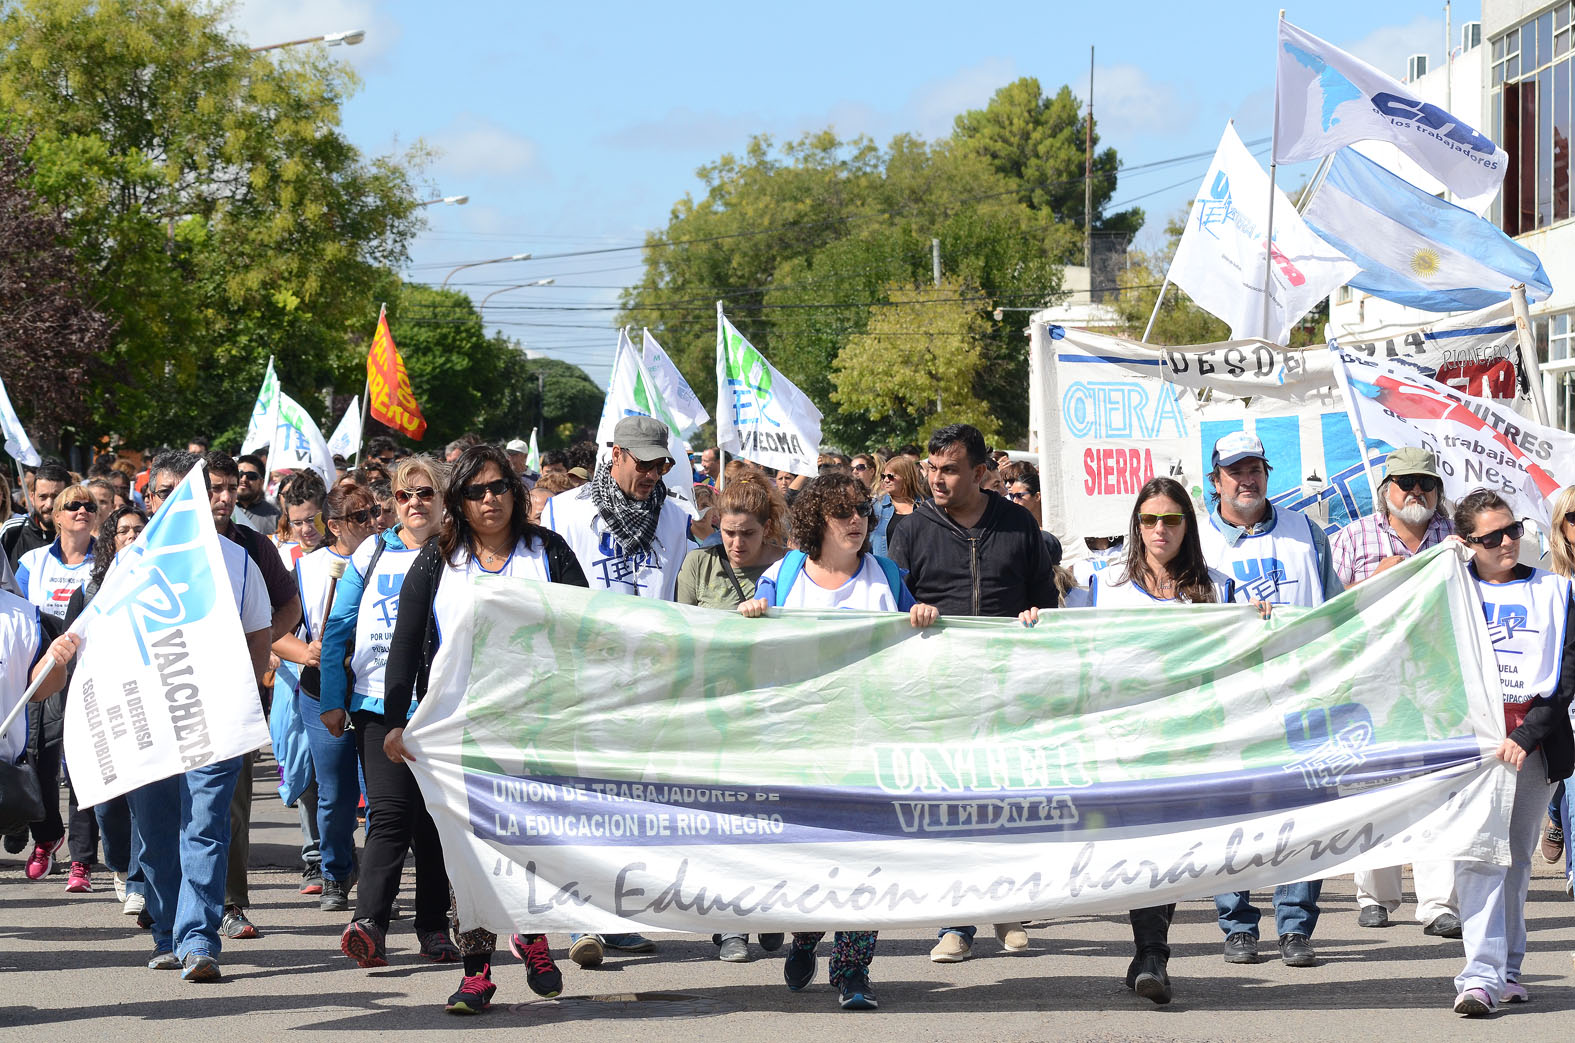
(632, 522)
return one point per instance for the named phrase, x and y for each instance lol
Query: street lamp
(350, 37)
(539, 282)
(451, 200)
(477, 264)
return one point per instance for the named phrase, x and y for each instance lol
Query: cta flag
(1414, 248)
(164, 682)
(298, 442)
(681, 400)
(1478, 444)
(347, 436)
(689, 770)
(259, 430)
(1220, 259)
(760, 415)
(632, 392)
(1325, 98)
(390, 400)
(16, 441)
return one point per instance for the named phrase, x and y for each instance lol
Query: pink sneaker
(1474, 1003)
(80, 882)
(1515, 992)
(42, 861)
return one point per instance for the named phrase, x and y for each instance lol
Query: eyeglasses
(1171, 521)
(863, 510)
(250, 476)
(80, 505)
(1569, 519)
(1407, 482)
(1491, 540)
(497, 487)
(661, 466)
(861, 467)
(888, 477)
(162, 494)
(376, 509)
(359, 517)
(424, 492)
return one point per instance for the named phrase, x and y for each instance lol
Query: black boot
(1146, 976)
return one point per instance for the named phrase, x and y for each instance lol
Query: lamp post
(450, 200)
(350, 37)
(477, 264)
(482, 307)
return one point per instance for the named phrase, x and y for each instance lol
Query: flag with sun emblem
(1414, 248)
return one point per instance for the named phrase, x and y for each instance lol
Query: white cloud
(685, 129)
(263, 22)
(1387, 48)
(933, 108)
(473, 145)
(1127, 104)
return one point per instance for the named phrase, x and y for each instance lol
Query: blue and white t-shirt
(868, 589)
(47, 581)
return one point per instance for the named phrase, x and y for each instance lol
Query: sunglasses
(661, 466)
(1017, 497)
(863, 510)
(250, 476)
(80, 505)
(359, 517)
(888, 477)
(424, 492)
(1407, 482)
(861, 467)
(1569, 519)
(162, 494)
(474, 493)
(1491, 540)
(1171, 521)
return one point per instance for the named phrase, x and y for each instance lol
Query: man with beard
(37, 528)
(1410, 519)
(252, 506)
(1280, 557)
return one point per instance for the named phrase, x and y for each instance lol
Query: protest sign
(163, 683)
(390, 399)
(596, 762)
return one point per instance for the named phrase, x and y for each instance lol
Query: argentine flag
(1414, 248)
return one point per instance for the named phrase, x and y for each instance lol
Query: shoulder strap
(371, 563)
(893, 575)
(787, 575)
(732, 577)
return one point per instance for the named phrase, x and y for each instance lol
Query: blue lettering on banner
(1121, 409)
(176, 585)
(750, 405)
(1310, 729)
(1504, 622)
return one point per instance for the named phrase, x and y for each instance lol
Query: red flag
(389, 398)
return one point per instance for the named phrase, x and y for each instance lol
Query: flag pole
(366, 393)
(1355, 416)
(721, 477)
(1268, 238)
(1157, 302)
(1528, 351)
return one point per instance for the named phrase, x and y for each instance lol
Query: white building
(1512, 76)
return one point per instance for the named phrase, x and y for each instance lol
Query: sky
(576, 128)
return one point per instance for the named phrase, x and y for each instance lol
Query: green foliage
(221, 213)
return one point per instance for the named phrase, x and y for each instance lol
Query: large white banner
(163, 683)
(259, 430)
(1221, 260)
(682, 769)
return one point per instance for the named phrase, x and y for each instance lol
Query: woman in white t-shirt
(48, 576)
(831, 567)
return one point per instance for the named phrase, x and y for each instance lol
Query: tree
(220, 212)
(49, 328)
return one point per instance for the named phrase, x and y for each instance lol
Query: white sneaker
(120, 887)
(135, 903)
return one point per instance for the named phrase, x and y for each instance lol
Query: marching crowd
(345, 590)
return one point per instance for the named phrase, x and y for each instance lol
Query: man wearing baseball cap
(1411, 517)
(1280, 557)
(627, 535)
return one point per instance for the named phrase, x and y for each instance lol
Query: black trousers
(1151, 930)
(396, 821)
(45, 750)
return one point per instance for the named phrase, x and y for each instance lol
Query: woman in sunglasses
(1529, 613)
(901, 486)
(831, 567)
(357, 633)
(487, 531)
(47, 576)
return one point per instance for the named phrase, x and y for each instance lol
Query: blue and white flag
(298, 443)
(259, 430)
(1325, 99)
(164, 682)
(1414, 248)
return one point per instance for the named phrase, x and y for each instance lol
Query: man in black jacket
(970, 552)
(36, 528)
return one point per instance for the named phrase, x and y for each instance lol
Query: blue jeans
(1295, 910)
(338, 790)
(967, 932)
(183, 826)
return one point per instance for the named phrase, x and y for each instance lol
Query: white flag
(16, 441)
(760, 415)
(681, 400)
(533, 455)
(259, 432)
(346, 438)
(1220, 259)
(164, 682)
(1325, 98)
(632, 392)
(298, 442)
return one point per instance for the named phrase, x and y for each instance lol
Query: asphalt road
(71, 967)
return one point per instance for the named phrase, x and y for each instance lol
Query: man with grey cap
(1410, 518)
(621, 525)
(1281, 557)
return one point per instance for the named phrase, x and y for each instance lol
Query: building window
(1530, 90)
(1560, 338)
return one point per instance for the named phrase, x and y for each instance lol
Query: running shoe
(857, 992)
(541, 973)
(1515, 992)
(134, 904)
(200, 967)
(586, 950)
(42, 861)
(235, 924)
(312, 880)
(628, 942)
(474, 995)
(335, 896)
(362, 941)
(80, 882)
(438, 947)
(798, 970)
(164, 960)
(120, 886)
(1473, 1003)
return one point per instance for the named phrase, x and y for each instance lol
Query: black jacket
(1547, 722)
(19, 539)
(415, 639)
(997, 568)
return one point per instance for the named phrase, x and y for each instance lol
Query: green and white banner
(597, 762)
(760, 415)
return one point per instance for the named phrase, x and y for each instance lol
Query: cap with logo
(1235, 447)
(1412, 460)
(642, 437)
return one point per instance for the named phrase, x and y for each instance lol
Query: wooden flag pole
(1528, 351)
(366, 394)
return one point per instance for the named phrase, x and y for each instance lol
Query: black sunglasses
(478, 491)
(78, 505)
(250, 476)
(661, 466)
(359, 517)
(865, 509)
(1491, 540)
(423, 492)
(1407, 482)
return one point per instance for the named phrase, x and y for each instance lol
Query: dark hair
(1475, 502)
(583, 454)
(380, 444)
(201, 440)
(250, 458)
(909, 449)
(302, 492)
(454, 540)
(1214, 479)
(1188, 566)
(177, 463)
(219, 462)
(555, 457)
(1025, 476)
(383, 490)
(966, 434)
(103, 466)
(49, 471)
(827, 495)
(106, 539)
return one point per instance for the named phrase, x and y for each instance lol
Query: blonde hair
(909, 478)
(1563, 548)
(69, 493)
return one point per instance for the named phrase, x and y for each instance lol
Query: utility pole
(1088, 175)
(935, 261)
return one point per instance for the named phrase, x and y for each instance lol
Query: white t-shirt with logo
(574, 516)
(1526, 620)
(47, 581)
(867, 589)
(1279, 566)
(1111, 589)
(378, 611)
